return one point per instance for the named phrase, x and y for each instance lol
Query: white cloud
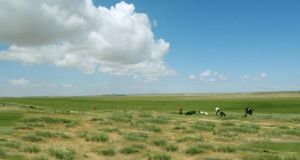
(206, 73)
(19, 82)
(221, 77)
(78, 34)
(257, 77)
(66, 85)
(49, 85)
(192, 77)
(211, 76)
(263, 75)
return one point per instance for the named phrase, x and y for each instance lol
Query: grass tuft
(108, 152)
(193, 150)
(226, 149)
(31, 149)
(62, 153)
(103, 137)
(140, 137)
(159, 156)
(132, 149)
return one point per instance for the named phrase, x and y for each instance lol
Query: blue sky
(215, 46)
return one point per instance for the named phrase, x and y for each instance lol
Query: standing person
(180, 110)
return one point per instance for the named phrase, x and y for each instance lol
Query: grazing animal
(190, 112)
(217, 109)
(180, 110)
(249, 111)
(222, 114)
(32, 107)
(203, 113)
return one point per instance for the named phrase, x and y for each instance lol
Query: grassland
(149, 127)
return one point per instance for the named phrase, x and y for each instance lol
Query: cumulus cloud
(19, 82)
(209, 76)
(77, 34)
(192, 77)
(257, 77)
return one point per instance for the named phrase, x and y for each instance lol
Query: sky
(85, 47)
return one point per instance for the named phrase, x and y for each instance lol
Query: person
(217, 109)
(180, 110)
(249, 111)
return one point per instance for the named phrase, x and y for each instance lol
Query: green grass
(193, 150)
(31, 149)
(11, 144)
(48, 120)
(159, 156)
(102, 137)
(2, 153)
(171, 147)
(272, 146)
(283, 103)
(62, 153)
(140, 137)
(108, 152)
(160, 142)
(151, 128)
(8, 119)
(130, 149)
(226, 149)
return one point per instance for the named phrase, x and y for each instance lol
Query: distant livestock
(203, 113)
(249, 111)
(190, 112)
(222, 114)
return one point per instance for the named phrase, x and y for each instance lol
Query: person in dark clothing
(249, 111)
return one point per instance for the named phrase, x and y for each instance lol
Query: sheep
(203, 113)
